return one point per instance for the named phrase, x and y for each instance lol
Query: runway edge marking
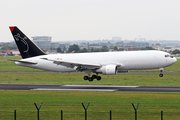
(100, 86)
(48, 89)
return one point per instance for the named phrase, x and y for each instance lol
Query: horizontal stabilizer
(22, 61)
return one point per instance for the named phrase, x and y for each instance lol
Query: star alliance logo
(19, 38)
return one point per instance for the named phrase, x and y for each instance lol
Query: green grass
(100, 104)
(169, 79)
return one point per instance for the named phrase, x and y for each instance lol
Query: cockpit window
(166, 55)
(169, 56)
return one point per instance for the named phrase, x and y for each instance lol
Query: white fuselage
(128, 60)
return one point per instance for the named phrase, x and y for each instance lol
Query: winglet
(11, 28)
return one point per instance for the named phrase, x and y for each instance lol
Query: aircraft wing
(76, 65)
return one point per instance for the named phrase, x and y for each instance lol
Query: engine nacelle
(108, 70)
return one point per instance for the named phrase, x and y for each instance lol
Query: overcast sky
(91, 19)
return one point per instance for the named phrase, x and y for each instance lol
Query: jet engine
(108, 70)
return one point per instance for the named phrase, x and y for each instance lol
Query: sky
(91, 19)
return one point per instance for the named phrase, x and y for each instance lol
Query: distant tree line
(176, 51)
(7, 47)
(75, 48)
(147, 48)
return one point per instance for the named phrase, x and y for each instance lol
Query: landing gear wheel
(161, 70)
(85, 77)
(160, 75)
(90, 79)
(98, 77)
(94, 76)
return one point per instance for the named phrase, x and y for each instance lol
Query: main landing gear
(161, 70)
(92, 78)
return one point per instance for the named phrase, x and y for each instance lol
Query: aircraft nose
(175, 59)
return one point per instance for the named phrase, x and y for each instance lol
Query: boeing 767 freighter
(106, 63)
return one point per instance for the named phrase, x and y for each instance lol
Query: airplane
(106, 63)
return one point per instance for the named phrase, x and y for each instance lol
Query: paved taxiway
(108, 88)
(139, 72)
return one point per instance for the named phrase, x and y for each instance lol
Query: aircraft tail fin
(26, 47)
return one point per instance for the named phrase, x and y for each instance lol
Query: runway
(102, 88)
(139, 72)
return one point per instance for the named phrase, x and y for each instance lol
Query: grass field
(150, 106)
(101, 103)
(169, 79)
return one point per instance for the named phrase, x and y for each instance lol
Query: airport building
(64, 46)
(54, 45)
(43, 42)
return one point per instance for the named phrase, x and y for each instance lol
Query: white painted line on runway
(48, 89)
(160, 88)
(99, 86)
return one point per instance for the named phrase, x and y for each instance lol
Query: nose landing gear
(161, 70)
(160, 75)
